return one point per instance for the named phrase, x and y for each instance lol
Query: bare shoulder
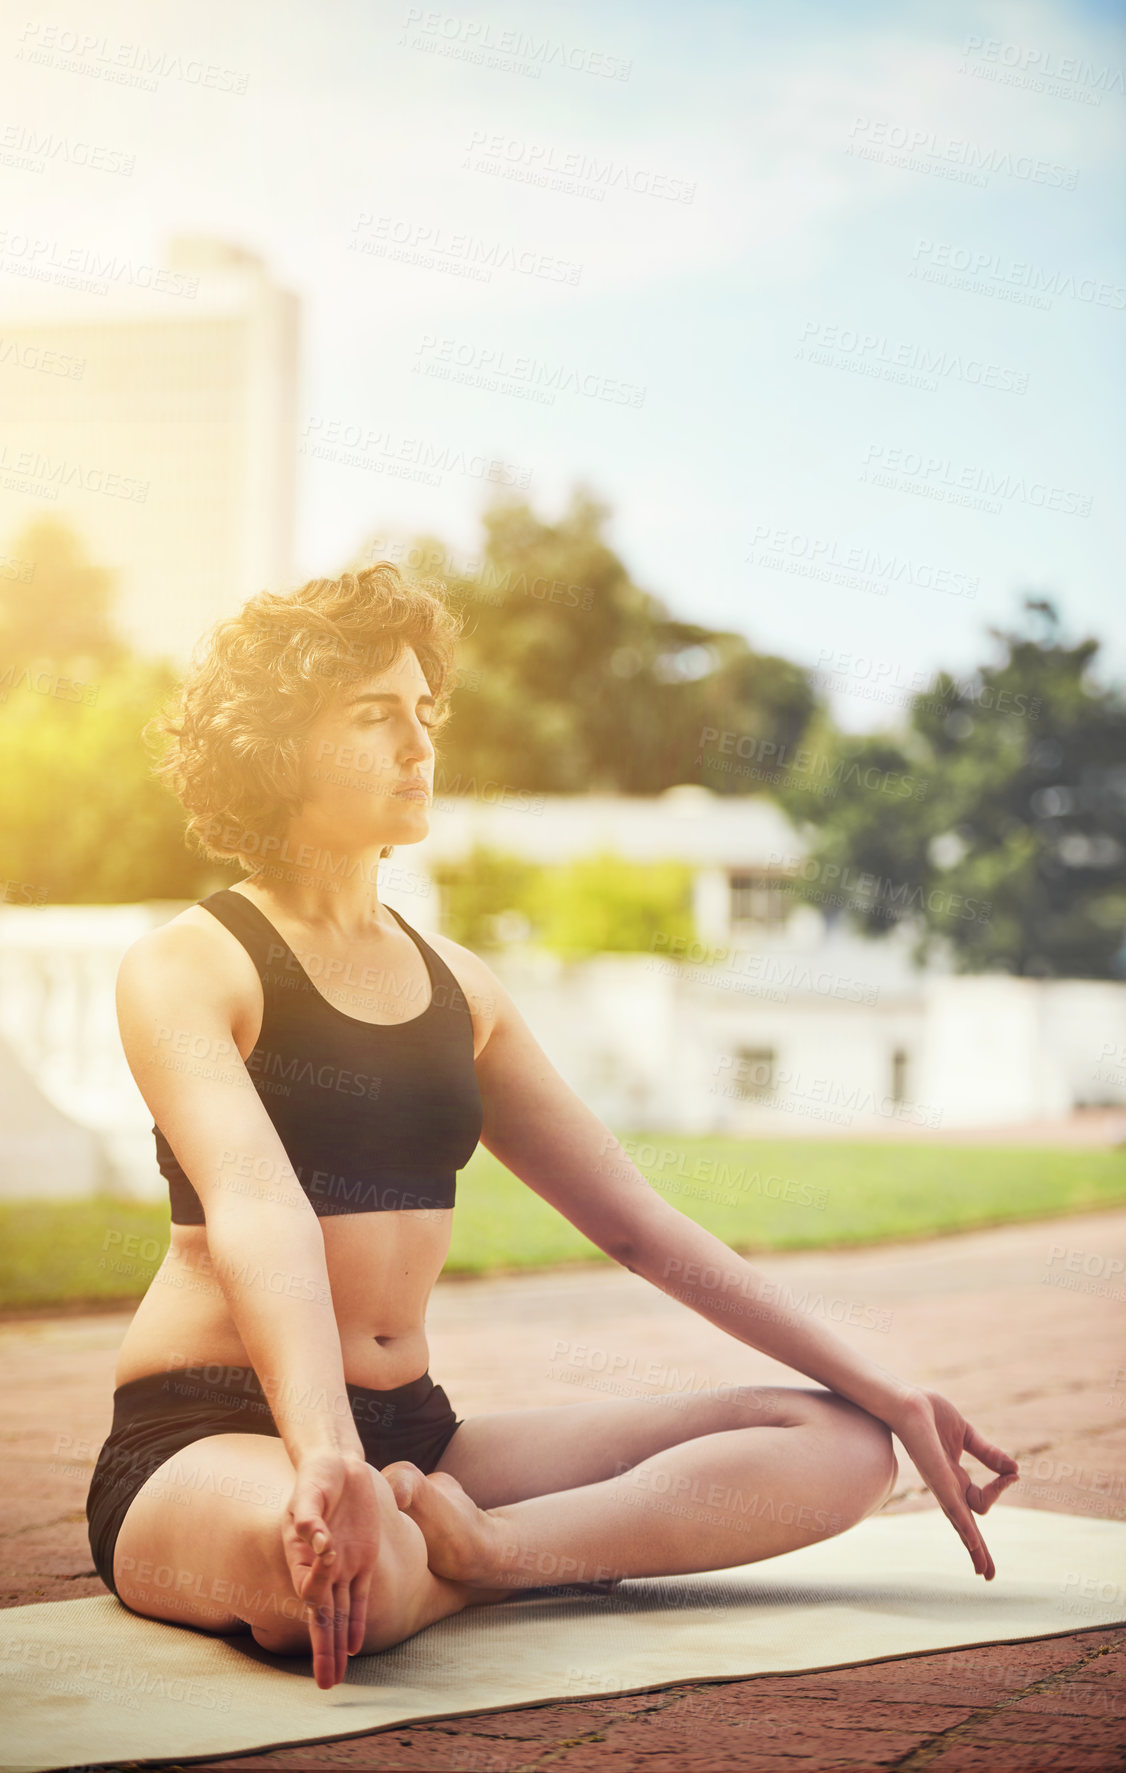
(484, 993)
(192, 959)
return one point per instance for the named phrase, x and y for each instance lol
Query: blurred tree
(61, 611)
(599, 904)
(1009, 844)
(83, 818)
(480, 892)
(574, 681)
(606, 905)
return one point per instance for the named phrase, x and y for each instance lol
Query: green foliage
(62, 611)
(478, 893)
(1010, 844)
(594, 905)
(572, 680)
(606, 905)
(52, 1252)
(575, 681)
(84, 819)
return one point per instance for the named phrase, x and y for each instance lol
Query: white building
(157, 417)
(777, 1023)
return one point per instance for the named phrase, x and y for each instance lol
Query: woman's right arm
(178, 999)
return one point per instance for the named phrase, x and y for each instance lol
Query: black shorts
(157, 1416)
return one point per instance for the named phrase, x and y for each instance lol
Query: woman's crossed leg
(204, 1544)
(649, 1487)
(521, 1498)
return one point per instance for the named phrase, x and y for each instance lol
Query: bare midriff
(382, 1268)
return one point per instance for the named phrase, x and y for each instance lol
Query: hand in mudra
(936, 1435)
(331, 1540)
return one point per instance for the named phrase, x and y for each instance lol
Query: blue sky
(842, 348)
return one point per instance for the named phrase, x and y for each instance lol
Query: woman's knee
(864, 1455)
(871, 1458)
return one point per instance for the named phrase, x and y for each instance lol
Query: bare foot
(463, 1543)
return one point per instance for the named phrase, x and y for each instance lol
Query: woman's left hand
(936, 1435)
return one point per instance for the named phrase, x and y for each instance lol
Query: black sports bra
(373, 1118)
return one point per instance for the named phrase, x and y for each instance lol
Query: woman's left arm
(545, 1134)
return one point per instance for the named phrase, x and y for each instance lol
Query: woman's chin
(411, 821)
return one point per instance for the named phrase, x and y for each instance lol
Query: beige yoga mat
(87, 1681)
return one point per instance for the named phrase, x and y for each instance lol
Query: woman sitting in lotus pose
(280, 1458)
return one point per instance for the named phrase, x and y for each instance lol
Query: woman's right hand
(331, 1540)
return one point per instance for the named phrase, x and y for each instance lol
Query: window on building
(753, 1073)
(758, 899)
(899, 1075)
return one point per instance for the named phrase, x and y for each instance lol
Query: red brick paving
(1040, 1368)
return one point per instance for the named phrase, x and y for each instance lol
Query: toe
(403, 1479)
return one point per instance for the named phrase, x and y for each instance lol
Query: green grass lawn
(755, 1195)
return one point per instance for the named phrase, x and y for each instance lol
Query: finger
(981, 1501)
(316, 1589)
(307, 1509)
(322, 1642)
(314, 1538)
(974, 1544)
(990, 1455)
(964, 1525)
(358, 1615)
(340, 1623)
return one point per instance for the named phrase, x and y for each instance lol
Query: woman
(280, 1458)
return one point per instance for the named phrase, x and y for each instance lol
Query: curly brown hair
(236, 726)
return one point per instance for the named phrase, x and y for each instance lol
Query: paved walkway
(1022, 1327)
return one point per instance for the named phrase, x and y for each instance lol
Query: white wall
(645, 1043)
